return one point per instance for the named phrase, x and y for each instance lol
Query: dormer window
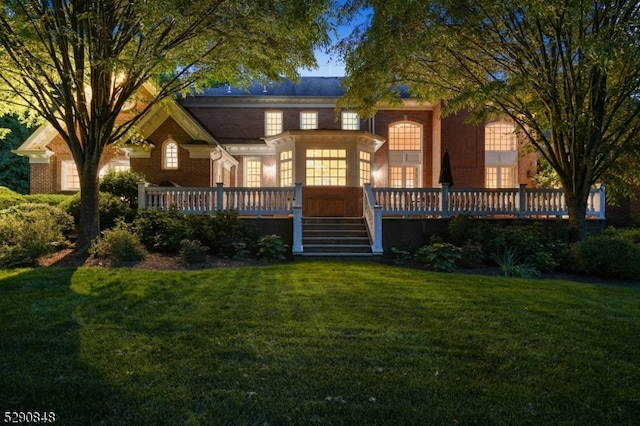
(272, 123)
(170, 155)
(350, 121)
(308, 120)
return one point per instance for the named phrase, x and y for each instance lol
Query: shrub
(440, 257)
(163, 230)
(512, 266)
(122, 184)
(271, 249)
(9, 198)
(118, 244)
(50, 199)
(30, 231)
(471, 255)
(192, 251)
(400, 256)
(610, 253)
(111, 208)
(226, 234)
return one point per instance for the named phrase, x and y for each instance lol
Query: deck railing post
(142, 195)
(522, 201)
(219, 196)
(602, 202)
(445, 201)
(297, 221)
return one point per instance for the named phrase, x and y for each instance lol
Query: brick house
(277, 134)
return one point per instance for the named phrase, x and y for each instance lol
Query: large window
(286, 168)
(325, 167)
(170, 155)
(365, 167)
(500, 136)
(272, 123)
(501, 155)
(308, 120)
(350, 121)
(253, 173)
(70, 178)
(404, 137)
(500, 177)
(403, 176)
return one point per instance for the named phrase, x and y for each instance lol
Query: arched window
(405, 155)
(170, 155)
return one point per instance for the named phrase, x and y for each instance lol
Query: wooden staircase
(335, 237)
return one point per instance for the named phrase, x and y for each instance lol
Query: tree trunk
(89, 221)
(577, 206)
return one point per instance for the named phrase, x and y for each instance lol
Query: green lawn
(316, 343)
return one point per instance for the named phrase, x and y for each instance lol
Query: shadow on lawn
(41, 368)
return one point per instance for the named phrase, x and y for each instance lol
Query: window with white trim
(253, 173)
(403, 176)
(350, 120)
(170, 155)
(286, 168)
(501, 155)
(272, 123)
(308, 120)
(365, 167)
(326, 167)
(70, 178)
(405, 136)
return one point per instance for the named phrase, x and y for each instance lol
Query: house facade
(280, 134)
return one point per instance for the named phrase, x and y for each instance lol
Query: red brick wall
(465, 143)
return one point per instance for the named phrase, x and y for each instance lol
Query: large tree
(76, 63)
(567, 72)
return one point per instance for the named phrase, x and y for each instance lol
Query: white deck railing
(248, 201)
(518, 202)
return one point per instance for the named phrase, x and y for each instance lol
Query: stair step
(335, 237)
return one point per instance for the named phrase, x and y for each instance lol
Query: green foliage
(511, 265)
(123, 184)
(192, 251)
(50, 199)
(30, 231)
(271, 249)
(118, 244)
(112, 209)
(610, 253)
(439, 257)
(9, 198)
(500, 59)
(14, 169)
(161, 230)
(224, 232)
(471, 255)
(400, 256)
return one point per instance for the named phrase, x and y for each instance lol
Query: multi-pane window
(365, 167)
(500, 177)
(308, 120)
(500, 136)
(170, 155)
(501, 155)
(404, 137)
(350, 121)
(326, 167)
(286, 168)
(70, 178)
(272, 123)
(403, 176)
(253, 173)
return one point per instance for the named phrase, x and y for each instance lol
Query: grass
(316, 343)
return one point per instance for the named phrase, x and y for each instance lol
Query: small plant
(240, 250)
(510, 265)
(400, 257)
(192, 251)
(271, 249)
(118, 244)
(439, 257)
(471, 255)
